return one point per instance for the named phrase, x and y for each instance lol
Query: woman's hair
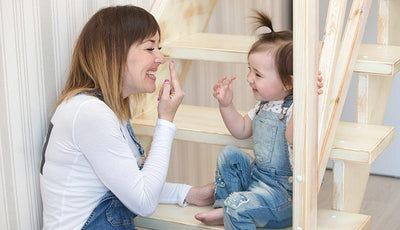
(99, 57)
(279, 44)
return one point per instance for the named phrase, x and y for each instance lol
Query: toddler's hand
(320, 83)
(223, 91)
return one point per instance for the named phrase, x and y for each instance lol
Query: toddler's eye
(159, 48)
(150, 49)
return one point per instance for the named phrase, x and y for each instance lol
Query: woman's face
(142, 62)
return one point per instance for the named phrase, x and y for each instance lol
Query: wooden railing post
(305, 114)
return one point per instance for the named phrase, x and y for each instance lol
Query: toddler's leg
(248, 210)
(233, 173)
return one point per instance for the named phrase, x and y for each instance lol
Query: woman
(92, 173)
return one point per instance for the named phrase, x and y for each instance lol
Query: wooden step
(372, 58)
(174, 217)
(354, 141)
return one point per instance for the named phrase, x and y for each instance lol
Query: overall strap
(288, 101)
(128, 127)
(137, 143)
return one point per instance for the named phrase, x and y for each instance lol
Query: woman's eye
(159, 48)
(150, 49)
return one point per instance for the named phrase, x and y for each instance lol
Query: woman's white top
(89, 153)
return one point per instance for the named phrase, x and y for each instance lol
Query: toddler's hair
(279, 44)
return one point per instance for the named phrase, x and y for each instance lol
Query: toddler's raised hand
(320, 83)
(223, 91)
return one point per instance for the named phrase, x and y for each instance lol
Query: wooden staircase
(354, 146)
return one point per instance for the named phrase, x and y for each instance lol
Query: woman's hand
(201, 195)
(223, 91)
(171, 96)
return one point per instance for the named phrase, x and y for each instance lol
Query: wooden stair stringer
(337, 91)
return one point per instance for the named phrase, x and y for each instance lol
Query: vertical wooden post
(305, 114)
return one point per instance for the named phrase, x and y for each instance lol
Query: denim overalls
(257, 193)
(110, 213)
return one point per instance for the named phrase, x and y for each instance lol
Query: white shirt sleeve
(174, 193)
(252, 112)
(96, 130)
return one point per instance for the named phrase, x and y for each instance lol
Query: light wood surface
(219, 48)
(372, 58)
(337, 91)
(353, 142)
(381, 200)
(305, 114)
(173, 217)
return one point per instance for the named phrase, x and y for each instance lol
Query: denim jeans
(257, 193)
(109, 214)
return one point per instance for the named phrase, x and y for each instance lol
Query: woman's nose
(160, 57)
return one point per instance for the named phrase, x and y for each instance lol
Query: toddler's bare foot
(213, 217)
(201, 195)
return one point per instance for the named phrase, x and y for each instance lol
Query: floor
(381, 200)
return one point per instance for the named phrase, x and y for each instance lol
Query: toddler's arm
(289, 127)
(239, 126)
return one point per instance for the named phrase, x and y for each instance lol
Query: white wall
(36, 40)
(389, 161)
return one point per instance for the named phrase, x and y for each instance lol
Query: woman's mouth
(151, 75)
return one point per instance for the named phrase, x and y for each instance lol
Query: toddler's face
(263, 77)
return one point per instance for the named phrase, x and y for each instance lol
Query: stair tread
(169, 216)
(372, 58)
(353, 141)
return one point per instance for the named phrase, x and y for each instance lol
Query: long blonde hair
(99, 57)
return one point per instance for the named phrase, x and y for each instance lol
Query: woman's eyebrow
(149, 40)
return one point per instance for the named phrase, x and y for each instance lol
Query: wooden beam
(305, 114)
(330, 48)
(337, 91)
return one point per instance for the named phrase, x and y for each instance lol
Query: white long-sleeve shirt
(90, 152)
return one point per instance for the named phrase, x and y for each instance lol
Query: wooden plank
(353, 142)
(173, 217)
(305, 134)
(372, 58)
(337, 91)
(176, 19)
(361, 143)
(330, 46)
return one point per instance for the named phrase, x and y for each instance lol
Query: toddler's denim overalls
(257, 193)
